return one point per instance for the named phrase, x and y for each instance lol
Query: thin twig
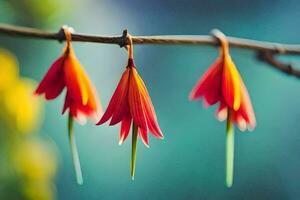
(266, 50)
(121, 40)
(269, 58)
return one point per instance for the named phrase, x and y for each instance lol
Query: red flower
(223, 84)
(81, 98)
(131, 104)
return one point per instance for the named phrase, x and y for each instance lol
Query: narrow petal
(231, 84)
(93, 107)
(246, 109)
(116, 98)
(67, 103)
(53, 82)
(125, 127)
(74, 73)
(144, 136)
(241, 122)
(209, 85)
(122, 108)
(78, 111)
(222, 111)
(149, 109)
(135, 101)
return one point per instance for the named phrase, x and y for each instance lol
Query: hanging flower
(131, 104)
(81, 99)
(223, 84)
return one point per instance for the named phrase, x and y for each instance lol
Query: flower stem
(229, 151)
(74, 151)
(133, 149)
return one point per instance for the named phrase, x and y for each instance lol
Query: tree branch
(269, 58)
(266, 50)
(121, 40)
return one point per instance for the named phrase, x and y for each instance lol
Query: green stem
(229, 151)
(133, 148)
(74, 151)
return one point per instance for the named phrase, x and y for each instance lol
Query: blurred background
(190, 162)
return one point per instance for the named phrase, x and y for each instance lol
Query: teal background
(190, 162)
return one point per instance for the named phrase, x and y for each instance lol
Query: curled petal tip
(81, 119)
(192, 96)
(242, 128)
(132, 178)
(236, 105)
(36, 93)
(222, 115)
(121, 141)
(100, 122)
(161, 136)
(251, 128)
(205, 103)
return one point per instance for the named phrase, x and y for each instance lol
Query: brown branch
(266, 49)
(269, 58)
(177, 40)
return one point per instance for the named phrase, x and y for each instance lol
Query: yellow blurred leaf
(9, 69)
(22, 106)
(35, 160)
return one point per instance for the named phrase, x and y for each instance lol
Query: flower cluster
(131, 104)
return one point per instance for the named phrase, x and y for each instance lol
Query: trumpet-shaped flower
(131, 104)
(81, 99)
(223, 84)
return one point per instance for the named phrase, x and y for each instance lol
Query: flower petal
(231, 84)
(149, 110)
(122, 108)
(246, 109)
(135, 101)
(53, 82)
(93, 106)
(125, 127)
(116, 98)
(222, 111)
(74, 73)
(67, 103)
(144, 136)
(209, 85)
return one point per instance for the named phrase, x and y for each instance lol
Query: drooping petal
(125, 127)
(209, 85)
(240, 121)
(93, 107)
(53, 82)
(149, 110)
(74, 73)
(231, 84)
(222, 111)
(78, 111)
(135, 101)
(122, 108)
(144, 136)
(116, 98)
(246, 109)
(67, 103)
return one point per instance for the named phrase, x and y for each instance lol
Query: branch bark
(266, 50)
